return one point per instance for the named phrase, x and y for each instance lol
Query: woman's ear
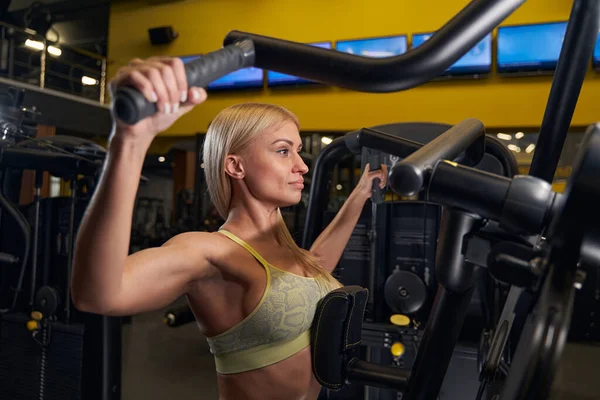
(234, 167)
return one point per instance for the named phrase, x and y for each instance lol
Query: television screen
(596, 56)
(530, 47)
(376, 47)
(477, 61)
(278, 79)
(243, 78)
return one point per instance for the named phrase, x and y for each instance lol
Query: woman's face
(273, 168)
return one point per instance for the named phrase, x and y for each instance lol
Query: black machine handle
(409, 175)
(131, 106)
(391, 74)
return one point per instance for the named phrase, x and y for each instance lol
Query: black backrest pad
(336, 331)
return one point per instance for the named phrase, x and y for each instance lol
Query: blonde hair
(230, 132)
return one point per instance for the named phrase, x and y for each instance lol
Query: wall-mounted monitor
(476, 62)
(279, 79)
(596, 56)
(241, 79)
(376, 47)
(529, 48)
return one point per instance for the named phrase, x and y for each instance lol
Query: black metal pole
(39, 181)
(111, 358)
(575, 55)
(456, 278)
(70, 241)
(319, 189)
(383, 376)
(198, 183)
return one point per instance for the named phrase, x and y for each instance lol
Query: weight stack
(31, 371)
(410, 236)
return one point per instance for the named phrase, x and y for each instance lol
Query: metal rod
(383, 376)
(43, 64)
(39, 180)
(381, 141)
(111, 358)
(198, 180)
(449, 308)
(103, 81)
(374, 260)
(319, 189)
(390, 74)
(455, 185)
(578, 45)
(437, 345)
(451, 270)
(70, 239)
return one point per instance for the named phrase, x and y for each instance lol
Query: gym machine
(392, 253)
(538, 309)
(561, 230)
(43, 338)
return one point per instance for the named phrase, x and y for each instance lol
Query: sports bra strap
(244, 245)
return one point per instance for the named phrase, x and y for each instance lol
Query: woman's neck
(254, 220)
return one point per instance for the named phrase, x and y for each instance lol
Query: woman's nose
(301, 166)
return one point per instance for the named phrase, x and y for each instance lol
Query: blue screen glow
(277, 78)
(596, 57)
(240, 79)
(375, 48)
(530, 47)
(477, 61)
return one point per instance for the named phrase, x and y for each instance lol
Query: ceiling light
(530, 148)
(55, 51)
(161, 159)
(37, 45)
(504, 136)
(326, 140)
(86, 80)
(514, 148)
(34, 44)
(519, 135)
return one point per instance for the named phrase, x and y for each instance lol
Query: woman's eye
(283, 151)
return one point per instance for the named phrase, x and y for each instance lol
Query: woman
(252, 290)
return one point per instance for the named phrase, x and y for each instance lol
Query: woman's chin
(290, 201)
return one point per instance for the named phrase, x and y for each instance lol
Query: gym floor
(174, 363)
(166, 363)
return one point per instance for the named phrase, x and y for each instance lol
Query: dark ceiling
(80, 23)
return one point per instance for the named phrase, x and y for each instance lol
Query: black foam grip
(410, 175)
(131, 106)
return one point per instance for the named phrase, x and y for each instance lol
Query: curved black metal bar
(391, 74)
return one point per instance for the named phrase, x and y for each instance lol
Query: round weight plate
(47, 300)
(405, 292)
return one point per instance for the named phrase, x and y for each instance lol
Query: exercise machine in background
(43, 338)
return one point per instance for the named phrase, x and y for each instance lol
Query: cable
(425, 204)
(13, 211)
(43, 142)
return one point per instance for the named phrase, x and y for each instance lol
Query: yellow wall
(202, 25)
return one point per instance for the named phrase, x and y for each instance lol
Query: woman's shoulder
(207, 242)
(215, 247)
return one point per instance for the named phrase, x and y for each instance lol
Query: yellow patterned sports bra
(276, 329)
